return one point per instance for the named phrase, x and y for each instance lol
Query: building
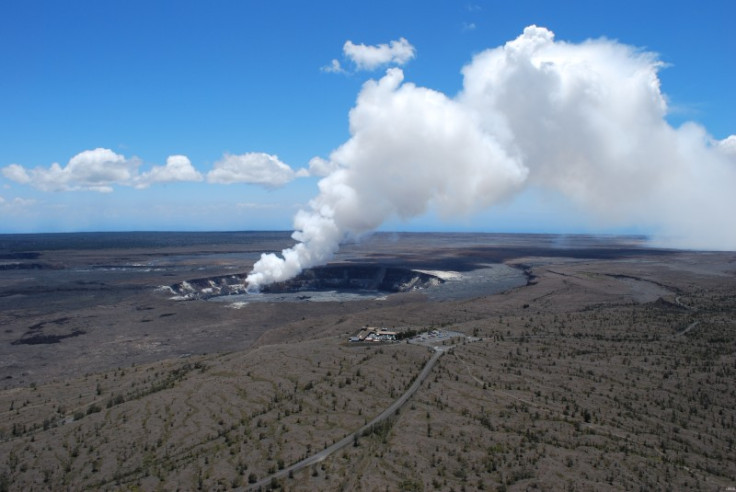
(374, 335)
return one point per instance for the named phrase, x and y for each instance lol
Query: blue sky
(207, 80)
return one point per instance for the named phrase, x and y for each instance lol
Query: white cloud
(728, 147)
(321, 167)
(17, 173)
(333, 67)
(371, 57)
(99, 170)
(253, 168)
(95, 170)
(102, 169)
(178, 168)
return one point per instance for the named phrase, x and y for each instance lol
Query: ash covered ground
(76, 303)
(587, 363)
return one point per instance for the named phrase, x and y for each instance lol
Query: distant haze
(586, 120)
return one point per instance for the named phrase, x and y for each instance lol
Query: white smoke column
(411, 147)
(586, 120)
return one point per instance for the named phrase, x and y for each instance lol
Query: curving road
(686, 330)
(316, 458)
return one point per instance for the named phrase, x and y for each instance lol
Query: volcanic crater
(333, 277)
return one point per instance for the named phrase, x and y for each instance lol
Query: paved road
(316, 458)
(689, 327)
(677, 301)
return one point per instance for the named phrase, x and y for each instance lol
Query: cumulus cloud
(588, 120)
(254, 168)
(333, 67)
(585, 120)
(17, 173)
(371, 57)
(101, 169)
(178, 168)
(96, 170)
(321, 167)
(727, 146)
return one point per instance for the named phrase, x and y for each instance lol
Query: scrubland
(598, 375)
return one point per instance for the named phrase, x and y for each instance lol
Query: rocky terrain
(605, 372)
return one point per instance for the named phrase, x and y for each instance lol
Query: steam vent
(340, 277)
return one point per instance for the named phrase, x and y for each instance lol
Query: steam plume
(587, 120)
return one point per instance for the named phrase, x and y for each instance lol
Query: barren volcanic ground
(588, 364)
